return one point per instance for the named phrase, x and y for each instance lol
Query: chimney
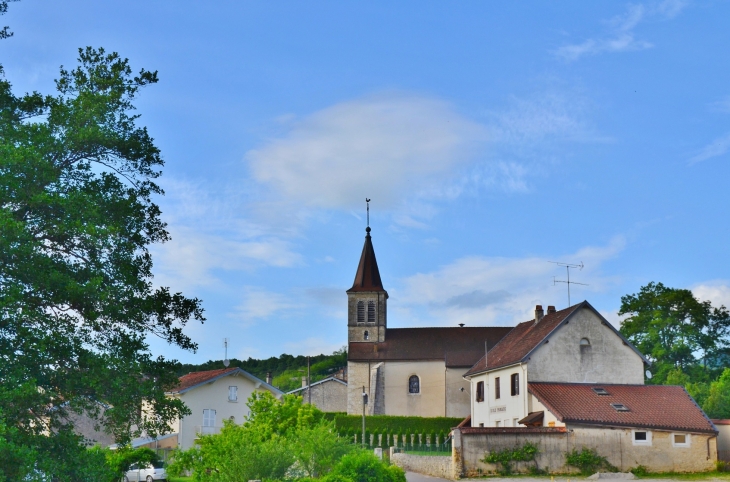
(304, 382)
(268, 378)
(551, 309)
(538, 313)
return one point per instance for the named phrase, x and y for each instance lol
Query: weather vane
(568, 266)
(367, 203)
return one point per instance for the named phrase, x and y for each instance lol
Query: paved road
(414, 477)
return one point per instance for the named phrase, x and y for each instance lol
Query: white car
(145, 472)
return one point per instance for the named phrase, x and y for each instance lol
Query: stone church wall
(329, 396)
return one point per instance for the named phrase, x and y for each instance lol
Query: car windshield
(158, 465)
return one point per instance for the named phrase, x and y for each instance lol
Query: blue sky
(492, 138)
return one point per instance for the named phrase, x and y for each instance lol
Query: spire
(367, 277)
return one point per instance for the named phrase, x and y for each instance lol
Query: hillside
(287, 370)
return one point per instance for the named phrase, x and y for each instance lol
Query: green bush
(363, 466)
(504, 458)
(588, 461)
(641, 471)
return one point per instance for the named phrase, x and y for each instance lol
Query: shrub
(588, 461)
(363, 466)
(505, 457)
(641, 471)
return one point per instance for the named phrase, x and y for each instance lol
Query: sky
(493, 139)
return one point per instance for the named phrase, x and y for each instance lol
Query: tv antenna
(226, 362)
(568, 267)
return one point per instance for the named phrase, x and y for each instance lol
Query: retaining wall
(433, 465)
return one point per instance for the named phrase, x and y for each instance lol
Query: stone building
(406, 371)
(328, 395)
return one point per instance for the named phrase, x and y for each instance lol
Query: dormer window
(600, 391)
(371, 312)
(366, 335)
(620, 407)
(361, 311)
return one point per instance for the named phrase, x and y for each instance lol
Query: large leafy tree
(677, 332)
(77, 302)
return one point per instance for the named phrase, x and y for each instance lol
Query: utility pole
(309, 382)
(364, 402)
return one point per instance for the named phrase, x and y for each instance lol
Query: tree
(77, 180)
(717, 403)
(676, 331)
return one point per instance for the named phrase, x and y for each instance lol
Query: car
(145, 472)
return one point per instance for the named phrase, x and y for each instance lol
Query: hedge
(393, 424)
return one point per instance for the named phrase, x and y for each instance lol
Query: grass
(688, 476)
(179, 479)
(427, 452)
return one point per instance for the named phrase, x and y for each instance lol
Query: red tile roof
(459, 347)
(196, 378)
(521, 341)
(367, 277)
(650, 406)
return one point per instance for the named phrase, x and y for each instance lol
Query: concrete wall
(606, 360)
(90, 428)
(614, 444)
(723, 439)
(430, 402)
(457, 401)
(330, 396)
(213, 396)
(435, 466)
(358, 376)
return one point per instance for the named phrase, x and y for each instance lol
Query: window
(232, 394)
(620, 407)
(366, 335)
(514, 422)
(515, 384)
(497, 423)
(414, 384)
(361, 312)
(585, 342)
(680, 440)
(208, 418)
(480, 391)
(600, 391)
(481, 424)
(496, 388)
(641, 437)
(371, 312)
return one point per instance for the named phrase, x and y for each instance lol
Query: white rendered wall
(507, 407)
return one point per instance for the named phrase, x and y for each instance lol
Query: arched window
(414, 384)
(371, 312)
(366, 335)
(361, 312)
(585, 342)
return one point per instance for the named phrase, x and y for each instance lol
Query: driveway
(414, 477)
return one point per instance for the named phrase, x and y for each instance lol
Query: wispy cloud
(715, 291)
(385, 147)
(480, 290)
(716, 148)
(259, 304)
(621, 35)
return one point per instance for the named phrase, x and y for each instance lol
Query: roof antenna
(226, 362)
(568, 266)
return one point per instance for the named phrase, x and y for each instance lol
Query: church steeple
(367, 299)
(367, 277)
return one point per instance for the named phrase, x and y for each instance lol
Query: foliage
(363, 466)
(717, 403)
(287, 370)
(394, 424)
(676, 331)
(275, 437)
(506, 457)
(588, 461)
(76, 299)
(640, 471)
(119, 460)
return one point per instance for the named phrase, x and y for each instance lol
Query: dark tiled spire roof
(368, 275)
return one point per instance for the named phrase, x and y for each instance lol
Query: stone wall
(330, 396)
(472, 444)
(433, 465)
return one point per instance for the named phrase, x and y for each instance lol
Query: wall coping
(512, 430)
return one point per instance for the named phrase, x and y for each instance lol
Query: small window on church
(371, 312)
(414, 384)
(366, 335)
(361, 312)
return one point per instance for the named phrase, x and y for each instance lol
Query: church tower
(366, 300)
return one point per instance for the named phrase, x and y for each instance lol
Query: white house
(214, 396)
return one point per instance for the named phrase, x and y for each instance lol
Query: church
(406, 371)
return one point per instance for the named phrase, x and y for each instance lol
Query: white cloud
(722, 105)
(621, 36)
(717, 292)
(258, 304)
(716, 148)
(384, 147)
(480, 290)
